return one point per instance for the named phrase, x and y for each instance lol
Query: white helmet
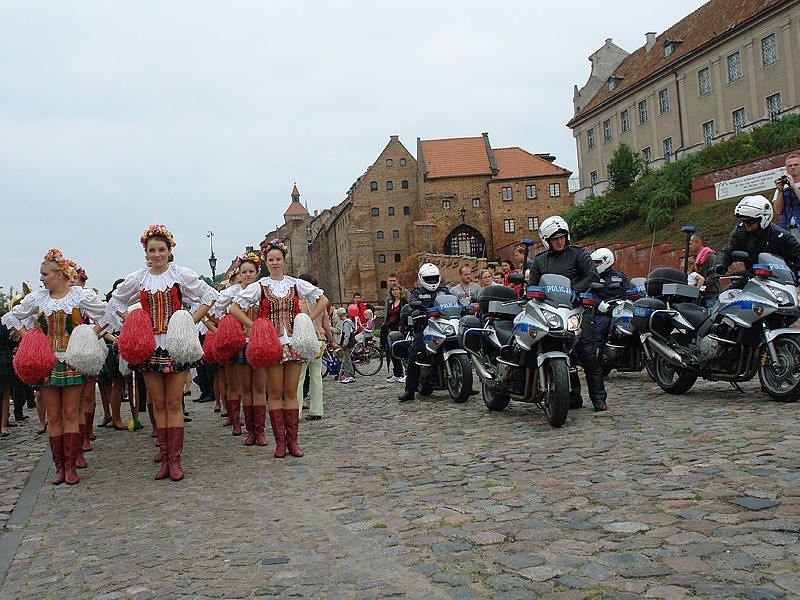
(429, 276)
(552, 227)
(755, 207)
(605, 257)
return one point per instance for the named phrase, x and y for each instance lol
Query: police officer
(430, 286)
(573, 262)
(603, 259)
(756, 234)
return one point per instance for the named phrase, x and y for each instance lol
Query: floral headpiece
(157, 230)
(66, 266)
(80, 273)
(274, 244)
(251, 256)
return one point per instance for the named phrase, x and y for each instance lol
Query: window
(646, 155)
(612, 84)
(406, 210)
(533, 223)
(663, 101)
(389, 185)
(476, 203)
(590, 138)
(593, 177)
(530, 192)
(774, 106)
(606, 130)
(402, 162)
(734, 67)
(404, 184)
(769, 50)
(643, 112)
(381, 258)
(708, 132)
(704, 81)
(379, 235)
(373, 186)
(739, 120)
(624, 121)
(390, 211)
(508, 225)
(397, 258)
(555, 190)
(667, 143)
(383, 285)
(395, 233)
(506, 193)
(446, 204)
(375, 212)
(389, 162)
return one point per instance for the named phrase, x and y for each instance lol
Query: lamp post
(212, 260)
(291, 254)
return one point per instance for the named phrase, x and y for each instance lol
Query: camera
(784, 180)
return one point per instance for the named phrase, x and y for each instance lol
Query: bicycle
(367, 359)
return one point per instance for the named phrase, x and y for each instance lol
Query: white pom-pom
(304, 337)
(84, 351)
(124, 367)
(183, 341)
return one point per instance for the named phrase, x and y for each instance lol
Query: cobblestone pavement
(660, 497)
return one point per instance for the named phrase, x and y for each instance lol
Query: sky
(201, 115)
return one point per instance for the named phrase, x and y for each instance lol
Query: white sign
(749, 184)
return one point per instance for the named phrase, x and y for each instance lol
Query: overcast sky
(201, 115)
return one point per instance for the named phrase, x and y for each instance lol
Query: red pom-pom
(35, 358)
(208, 347)
(264, 348)
(229, 339)
(137, 343)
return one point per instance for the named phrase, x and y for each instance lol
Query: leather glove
(719, 269)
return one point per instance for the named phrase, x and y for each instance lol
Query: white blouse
(195, 292)
(279, 287)
(224, 301)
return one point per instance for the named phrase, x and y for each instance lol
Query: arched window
(465, 240)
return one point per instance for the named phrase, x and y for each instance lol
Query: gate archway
(465, 241)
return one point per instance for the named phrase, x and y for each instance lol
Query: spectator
(786, 199)
(465, 289)
(704, 258)
(485, 278)
(393, 322)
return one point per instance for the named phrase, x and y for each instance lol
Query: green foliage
(624, 168)
(602, 212)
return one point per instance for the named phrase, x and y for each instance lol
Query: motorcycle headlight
(448, 329)
(574, 323)
(553, 320)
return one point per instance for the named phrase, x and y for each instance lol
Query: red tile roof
(295, 191)
(516, 162)
(708, 23)
(295, 208)
(455, 157)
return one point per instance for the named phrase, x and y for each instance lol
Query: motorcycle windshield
(557, 290)
(780, 270)
(448, 306)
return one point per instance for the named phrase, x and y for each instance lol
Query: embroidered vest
(281, 311)
(58, 327)
(161, 305)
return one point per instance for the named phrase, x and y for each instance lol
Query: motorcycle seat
(696, 315)
(503, 330)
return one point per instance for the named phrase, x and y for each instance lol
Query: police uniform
(602, 320)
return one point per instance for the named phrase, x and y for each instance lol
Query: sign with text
(749, 184)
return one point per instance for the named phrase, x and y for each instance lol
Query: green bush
(659, 218)
(602, 212)
(624, 168)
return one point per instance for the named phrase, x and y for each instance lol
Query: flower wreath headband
(157, 230)
(66, 265)
(251, 256)
(274, 244)
(80, 272)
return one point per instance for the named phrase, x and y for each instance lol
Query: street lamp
(212, 260)
(291, 254)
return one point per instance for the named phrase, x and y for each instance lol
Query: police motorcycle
(444, 365)
(521, 349)
(623, 349)
(747, 331)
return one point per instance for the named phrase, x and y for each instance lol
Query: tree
(624, 168)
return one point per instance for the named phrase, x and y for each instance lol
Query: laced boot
(291, 417)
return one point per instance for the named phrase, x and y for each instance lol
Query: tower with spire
(296, 210)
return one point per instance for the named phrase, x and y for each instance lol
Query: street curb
(10, 540)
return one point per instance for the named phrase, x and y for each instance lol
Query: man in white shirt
(465, 289)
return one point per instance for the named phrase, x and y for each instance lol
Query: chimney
(650, 40)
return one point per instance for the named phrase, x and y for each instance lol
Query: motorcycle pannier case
(470, 341)
(642, 309)
(656, 280)
(499, 293)
(398, 346)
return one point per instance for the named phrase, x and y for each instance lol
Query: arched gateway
(465, 241)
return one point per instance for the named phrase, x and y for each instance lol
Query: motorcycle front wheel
(459, 384)
(671, 379)
(555, 391)
(781, 381)
(493, 399)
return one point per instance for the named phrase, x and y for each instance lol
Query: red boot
(291, 417)
(72, 447)
(260, 421)
(278, 431)
(151, 414)
(57, 449)
(175, 445)
(90, 425)
(248, 423)
(229, 409)
(162, 446)
(80, 461)
(233, 409)
(84, 429)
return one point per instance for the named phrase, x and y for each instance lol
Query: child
(347, 341)
(368, 328)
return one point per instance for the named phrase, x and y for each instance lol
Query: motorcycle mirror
(516, 278)
(741, 256)
(596, 287)
(614, 287)
(415, 304)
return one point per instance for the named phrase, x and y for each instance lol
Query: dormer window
(670, 46)
(613, 82)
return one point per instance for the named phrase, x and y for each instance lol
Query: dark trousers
(412, 377)
(601, 325)
(205, 377)
(22, 394)
(585, 350)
